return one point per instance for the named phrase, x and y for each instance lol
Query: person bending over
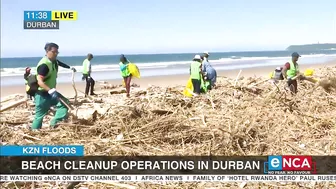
(210, 72)
(291, 70)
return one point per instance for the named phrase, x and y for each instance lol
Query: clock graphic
(37, 15)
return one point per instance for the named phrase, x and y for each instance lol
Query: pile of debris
(247, 116)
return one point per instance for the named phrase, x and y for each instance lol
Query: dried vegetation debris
(255, 117)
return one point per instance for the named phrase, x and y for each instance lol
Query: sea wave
(5, 72)
(237, 58)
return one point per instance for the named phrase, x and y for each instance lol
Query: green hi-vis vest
(85, 66)
(50, 79)
(125, 72)
(292, 70)
(195, 70)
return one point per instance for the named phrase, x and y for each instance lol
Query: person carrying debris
(26, 76)
(277, 74)
(87, 75)
(209, 72)
(196, 73)
(46, 95)
(290, 71)
(125, 73)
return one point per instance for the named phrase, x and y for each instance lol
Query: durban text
(236, 165)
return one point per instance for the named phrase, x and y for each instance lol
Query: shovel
(73, 85)
(70, 108)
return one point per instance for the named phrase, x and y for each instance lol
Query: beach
(164, 81)
(250, 117)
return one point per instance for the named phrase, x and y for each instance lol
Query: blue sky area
(165, 26)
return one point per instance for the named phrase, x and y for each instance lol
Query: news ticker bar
(168, 178)
(167, 165)
(42, 150)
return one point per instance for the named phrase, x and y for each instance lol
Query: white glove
(51, 91)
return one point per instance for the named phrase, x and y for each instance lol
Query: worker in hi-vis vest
(196, 74)
(46, 95)
(209, 71)
(290, 70)
(87, 75)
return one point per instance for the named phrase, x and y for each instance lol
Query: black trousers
(196, 85)
(89, 84)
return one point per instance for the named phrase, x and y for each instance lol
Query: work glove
(54, 94)
(73, 69)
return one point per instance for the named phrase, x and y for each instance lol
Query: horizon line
(164, 53)
(186, 52)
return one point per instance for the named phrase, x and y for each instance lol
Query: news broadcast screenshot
(168, 94)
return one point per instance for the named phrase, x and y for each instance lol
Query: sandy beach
(172, 80)
(249, 118)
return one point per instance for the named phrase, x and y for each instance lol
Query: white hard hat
(198, 57)
(206, 52)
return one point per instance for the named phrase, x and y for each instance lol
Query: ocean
(105, 67)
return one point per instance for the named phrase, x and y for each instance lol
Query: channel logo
(290, 165)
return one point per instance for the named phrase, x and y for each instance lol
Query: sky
(169, 26)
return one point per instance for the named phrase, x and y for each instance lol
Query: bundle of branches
(249, 118)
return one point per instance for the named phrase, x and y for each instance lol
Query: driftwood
(162, 112)
(102, 82)
(255, 84)
(118, 91)
(15, 104)
(109, 86)
(72, 185)
(106, 85)
(90, 97)
(119, 184)
(85, 113)
(236, 80)
(10, 97)
(30, 137)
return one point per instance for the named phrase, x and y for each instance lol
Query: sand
(233, 120)
(67, 90)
